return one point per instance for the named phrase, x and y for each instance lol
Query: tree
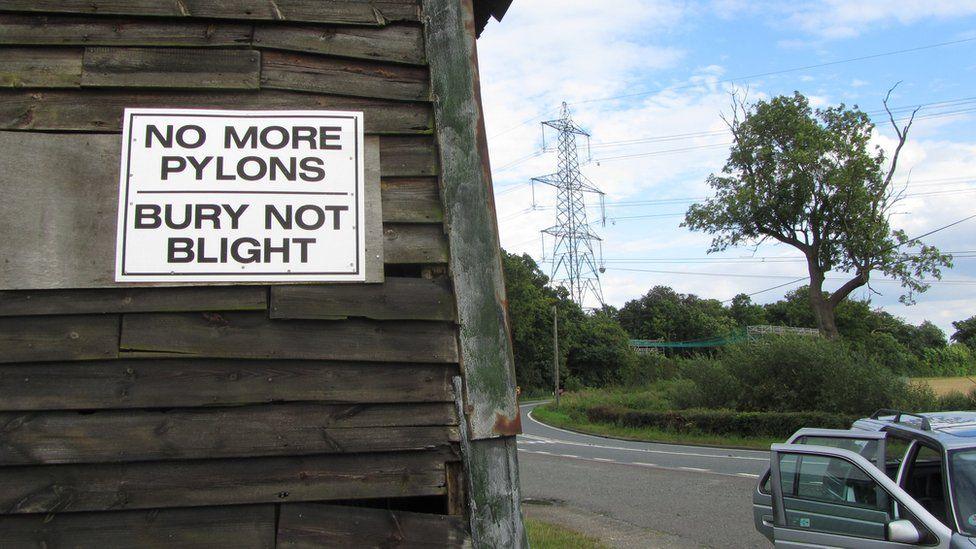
(746, 313)
(965, 332)
(662, 313)
(809, 179)
(593, 348)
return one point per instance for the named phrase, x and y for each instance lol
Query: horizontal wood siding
(183, 382)
(193, 483)
(238, 527)
(398, 43)
(264, 430)
(253, 335)
(81, 337)
(57, 30)
(100, 110)
(171, 68)
(132, 300)
(396, 299)
(311, 525)
(352, 12)
(217, 415)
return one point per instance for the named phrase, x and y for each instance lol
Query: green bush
(717, 387)
(648, 368)
(951, 360)
(684, 393)
(720, 422)
(784, 374)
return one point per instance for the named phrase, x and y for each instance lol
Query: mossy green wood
(488, 391)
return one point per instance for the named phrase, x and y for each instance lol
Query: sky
(659, 74)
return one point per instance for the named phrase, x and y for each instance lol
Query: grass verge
(545, 535)
(561, 418)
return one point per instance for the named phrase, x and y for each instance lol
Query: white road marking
(649, 465)
(544, 453)
(645, 450)
(748, 475)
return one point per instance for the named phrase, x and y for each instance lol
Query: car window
(963, 467)
(924, 480)
(832, 495)
(866, 448)
(834, 480)
(895, 450)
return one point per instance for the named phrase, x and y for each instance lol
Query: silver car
(892, 480)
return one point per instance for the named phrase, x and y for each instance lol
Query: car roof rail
(926, 426)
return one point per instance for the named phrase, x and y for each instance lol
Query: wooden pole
(555, 352)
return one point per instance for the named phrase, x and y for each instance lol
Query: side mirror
(903, 531)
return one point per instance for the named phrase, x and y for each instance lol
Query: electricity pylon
(574, 263)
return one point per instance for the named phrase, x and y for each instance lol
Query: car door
(870, 444)
(833, 497)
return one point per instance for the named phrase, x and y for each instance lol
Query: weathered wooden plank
(40, 67)
(101, 109)
(240, 431)
(353, 12)
(373, 199)
(55, 30)
(80, 337)
(395, 43)
(395, 299)
(241, 526)
(286, 70)
(132, 300)
(72, 245)
(73, 180)
(412, 200)
(148, 485)
(167, 383)
(403, 156)
(253, 335)
(475, 261)
(488, 391)
(411, 243)
(315, 525)
(171, 68)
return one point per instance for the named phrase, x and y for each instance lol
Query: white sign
(241, 196)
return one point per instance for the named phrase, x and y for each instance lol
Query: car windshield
(962, 464)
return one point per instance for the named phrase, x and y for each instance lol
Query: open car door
(833, 497)
(869, 444)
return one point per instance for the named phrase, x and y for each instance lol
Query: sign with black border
(241, 196)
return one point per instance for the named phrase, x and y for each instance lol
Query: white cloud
(548, 51)
(837, 19)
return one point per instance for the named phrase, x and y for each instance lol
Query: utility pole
(574, 265)
(555, 352)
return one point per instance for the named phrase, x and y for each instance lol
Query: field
(945, 385)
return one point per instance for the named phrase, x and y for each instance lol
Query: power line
(789, 70)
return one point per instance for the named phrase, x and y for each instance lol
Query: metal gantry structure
(575, 247)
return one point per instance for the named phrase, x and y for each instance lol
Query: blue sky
(677, 63)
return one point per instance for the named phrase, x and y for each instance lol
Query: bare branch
(902, 134)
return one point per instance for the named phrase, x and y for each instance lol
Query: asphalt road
(700, 496)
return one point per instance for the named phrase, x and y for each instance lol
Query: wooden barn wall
(225, 416)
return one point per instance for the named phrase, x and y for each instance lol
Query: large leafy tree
(965, 332)
(593, 348)
(811, 180)
(662, 313)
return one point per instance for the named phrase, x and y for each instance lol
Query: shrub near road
(751, 392)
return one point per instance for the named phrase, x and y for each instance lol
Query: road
(697, 496)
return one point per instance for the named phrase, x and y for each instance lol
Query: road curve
(538, 438)
(700, 497)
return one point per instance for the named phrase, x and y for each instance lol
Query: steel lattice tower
(574, 264)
